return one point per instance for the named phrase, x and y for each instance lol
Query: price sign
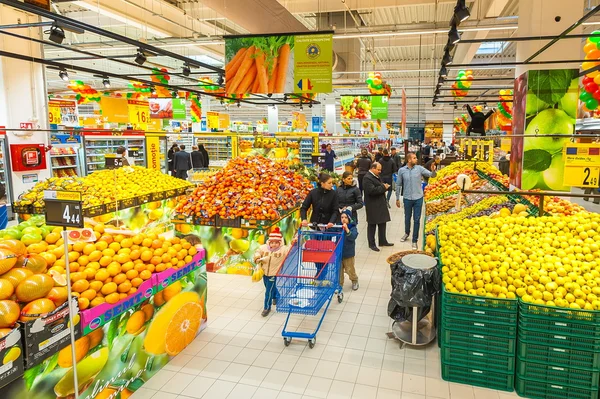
(133, 152)
(139, 114)
(318, 159)
(582, 165)
(112, 161)
(54, 115)
(63, 208)
(213, 120)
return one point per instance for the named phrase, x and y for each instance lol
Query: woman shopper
(349, 249)
(363, 163)
(349, 196)
(170, 156)
(387, 171)
(205, 153)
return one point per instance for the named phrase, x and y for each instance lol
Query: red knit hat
(276, 234)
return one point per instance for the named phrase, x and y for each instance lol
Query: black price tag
(112, 162)
(318, 159)
(64, 213)
(133, 153)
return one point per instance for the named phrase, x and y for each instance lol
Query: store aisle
(241, 355)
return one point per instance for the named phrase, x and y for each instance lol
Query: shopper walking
(363, 164)
(330, 158)
(270, 257)
(170, 157)
(409, 180)
(197, 158)
(435, 161)
(205, 153)
(378, 154)
(349, 196)
(349, 249)
(375, 203)
(323, 201)
(387, 170)
(397, 158)
(182, 162)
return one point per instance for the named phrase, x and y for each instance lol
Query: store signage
(364, 107)
(62, 112)
(153, 152)
(582, 164)
(139, 114)
(63, 208)
(133, 152)
(317, 124)
(114, 110)
(224, 121)
(213, 120)
(290, 63)
(403, 121)
(179, 108)
(112, 161)
(45, 4)
(26, 125)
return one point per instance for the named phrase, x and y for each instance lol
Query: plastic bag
(412, 287)
(257, 275)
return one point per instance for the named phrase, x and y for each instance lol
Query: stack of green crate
(478, 340)
(558, 352)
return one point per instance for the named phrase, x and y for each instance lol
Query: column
(273, 118)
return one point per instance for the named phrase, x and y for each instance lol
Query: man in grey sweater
(410, 177)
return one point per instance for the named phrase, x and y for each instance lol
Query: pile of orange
(251, 188)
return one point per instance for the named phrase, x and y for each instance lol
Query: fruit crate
(127, 203)
(584, 379)
(500, 345)
(541, 390)
(552, 313)
(144, 199)
(38, 210)
(157, 196)
(559, 340)
(181, 190)
(479, 377)
(557, 356)
(481, 315)
(479, 302)
(464, 357)
(96, 210)
(493, 182)
(556, 326)
(26, 209)
(467, 324)
(170, 193)
(224, 222)
(111, 206)
(200, 221)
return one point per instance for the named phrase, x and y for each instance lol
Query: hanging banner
(139, 114)
(364, 107)
(161, 108)
(62, 112)
(224, 121)
(212, 120)
(114, 110)
(404, 106)
(153, 152)
(317, 124)
(279, 63)
(179, 108)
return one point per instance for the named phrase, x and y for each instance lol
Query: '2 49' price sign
(582, 165)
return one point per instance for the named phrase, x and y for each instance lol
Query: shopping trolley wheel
(287, 341)
(311, 343)
(340, 297)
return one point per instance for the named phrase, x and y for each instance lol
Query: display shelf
(64, 167)
(60, 156)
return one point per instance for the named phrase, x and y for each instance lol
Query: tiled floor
(241, 354)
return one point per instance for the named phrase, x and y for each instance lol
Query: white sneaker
(404, 238)
(415, 246)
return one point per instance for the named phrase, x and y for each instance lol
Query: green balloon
(595, 39)
(591, 104)
(584, 96)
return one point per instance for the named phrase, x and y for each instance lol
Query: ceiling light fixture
(63, 75)
(140, 58)
(106, 83)
(461, 12)
(239, 104)
(186, 70)
(447, 60)
(453, 35)
(57, 34)
(443, 72)
(152, 90)
(221, 80)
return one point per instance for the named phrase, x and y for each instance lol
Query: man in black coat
(376, 207)
(197, 158)
(182, 162)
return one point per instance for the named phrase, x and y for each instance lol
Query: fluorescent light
(423, 32)
(120, 18)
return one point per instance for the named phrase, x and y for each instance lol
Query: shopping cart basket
(309, 277)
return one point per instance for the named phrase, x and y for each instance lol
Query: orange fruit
(159, 252)
(126, 242)
(140, 267)
(172, 290)
(97, 301)
(83, 260)
(82, 346)
(159, 299)
(108, 239)
(79, 246)
(95, 256)
(6, 289)
(94, 265)
(147, 243)
(49, 257)
(52, 238)
(36, 308)
(119, 237)
(156, 260)
(113, 269)
(96, 285)
(183, 327)
(101, 245)
(122, 258)
(156, 244)
(74, 266)
(112, 298)
(137, 239)
(88, 248)
(84, 303)
(150, 268)
(105, 261)
(13, 246)
(90, 273)
(177, 247)
(89, 294)
(80, 286)
(135, 254)
(131, 274)
(124, 287)
(34, 287)
(119, 278)
(127, 266)
(102, 275)
(73, 256)
(125, 251)
(58, 295)
(109, 252)
(166, 258)
(78, 276)
(192, 251)
(109, 288)
(187, 259)
(9, 313)
(115, 246)
(136, 282)
(146, 255)
(135, 324)
(180, 264)
(174, 261)
(95, 337)
(148, 311)
(161, 267)
(132, 291)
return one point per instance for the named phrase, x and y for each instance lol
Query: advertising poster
(403, 127)
(364, 107)
(167, 108)
(279, 64)
(114, 110)
(62, 112)
(550, 106)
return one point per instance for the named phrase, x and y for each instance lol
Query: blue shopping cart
(309, 278)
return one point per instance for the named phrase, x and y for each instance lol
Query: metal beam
(28, 25)
(527, 38)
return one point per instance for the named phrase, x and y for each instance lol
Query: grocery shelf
(61, 156)
(64, 166)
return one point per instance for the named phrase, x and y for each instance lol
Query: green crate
(557, 326)
(479, 327)
(540, 390)
(552, 313)
(559, 340)
(479, 302)
(479, 377)
(478, 342)
(557, 356)
(470, 358)
(573, 377)
(480, 314)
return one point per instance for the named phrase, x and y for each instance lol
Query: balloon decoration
(346, 126)
(590, 93)
(461, 123)
(161, 76)
(209, 85)
(504, 118)
(377, 85)
(196, 109)
(461, 87)
(295, 99)
(84, 93)
(372, 126)
(139, 87)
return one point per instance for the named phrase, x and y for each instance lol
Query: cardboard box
(48, 334)
(11, 357)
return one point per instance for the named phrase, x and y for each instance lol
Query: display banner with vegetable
(279, 64)
(545, 103)
(364, 107)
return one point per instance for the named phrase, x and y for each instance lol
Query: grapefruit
(36, 308)
(7, 260)
(58, 295)
(34, 287)
(36, 263)
(16, 275)
(9, 313)
(15, 246)
(6, 289)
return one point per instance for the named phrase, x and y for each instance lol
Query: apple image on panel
(570, 101)
(533, 104)
(549, 121)
(530, 179)
(554, 175)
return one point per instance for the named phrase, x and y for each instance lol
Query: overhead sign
(212, 120)
(153, 152)
(279, 63)
(62, 112)
(139, 114)
(582, 165)
(364, 107)
(115, 110)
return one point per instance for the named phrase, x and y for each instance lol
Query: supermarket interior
(276, 199)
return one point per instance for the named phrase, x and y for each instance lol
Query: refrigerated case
(66, 155)
(282, 146)
(98, 144)
(346, 147)
(220, 147)
(5, 167)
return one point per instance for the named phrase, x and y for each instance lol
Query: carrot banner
(282, 64)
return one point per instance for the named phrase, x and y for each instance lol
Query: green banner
(179, 108)
(379, 107)
(279, 64)
(364, 107)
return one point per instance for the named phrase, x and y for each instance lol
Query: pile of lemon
(549, 260)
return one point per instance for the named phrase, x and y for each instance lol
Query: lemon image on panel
(13, 354)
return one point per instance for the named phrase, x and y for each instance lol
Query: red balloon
(596, 95)
(591, 87)
(586, 80)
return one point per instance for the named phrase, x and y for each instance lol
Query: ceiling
(403, 38)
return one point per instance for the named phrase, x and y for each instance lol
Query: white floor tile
(219, 390)
(198, 387)
(364, 392)
(318, 387)
(296, 383)
(242, 391)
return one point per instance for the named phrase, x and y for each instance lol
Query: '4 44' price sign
(582, 165)
(139, 114)
(63, 208)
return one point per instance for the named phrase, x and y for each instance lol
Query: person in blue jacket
(330, 157)
(349, 251)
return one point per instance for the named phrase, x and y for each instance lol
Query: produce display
(474, 209)
(456, 168)
(557, 206)
(358, 107)
(106, 186)
(442, 205)
(251, 188)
